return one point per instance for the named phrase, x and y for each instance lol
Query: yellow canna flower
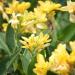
(47, 9)
(12, 7)
(36, 42)
(70, 7)
(14, 21)
(23, 6)
(58, 60)
(17, 7)
(72, 54)
(48, 6)
(32, 21)
(29, 16)
(41, 67)
(40, 16)
(9, 11)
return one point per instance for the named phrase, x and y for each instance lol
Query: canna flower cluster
(36, 42)
(23, 20)
(31, 21)
(60, 62)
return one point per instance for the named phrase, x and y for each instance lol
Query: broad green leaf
(68, 33)
(10, 38)
(31, 67)
(6, 63)
(3, 45)
(65, 29)
(26, 59)
(3, 65)
(2, 36)
(62, 19)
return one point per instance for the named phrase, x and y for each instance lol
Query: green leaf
(15, 64)
(3, 45)
(3, 65)
(31, 67)
(68, 33)
(26, 59)
(6, 63)
(62, 19)
(65, 29)
(10, 38)
(2, 36)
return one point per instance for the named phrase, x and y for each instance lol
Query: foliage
(37, 37)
